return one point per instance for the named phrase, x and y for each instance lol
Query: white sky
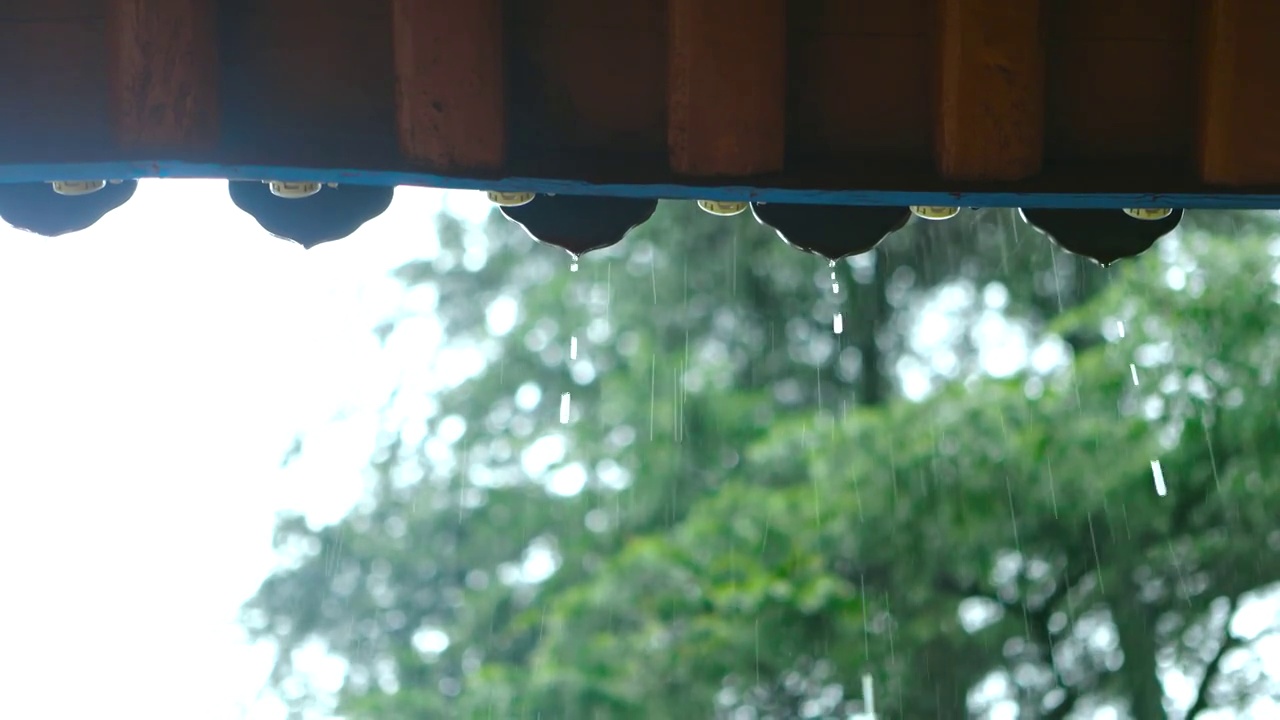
(156, 368)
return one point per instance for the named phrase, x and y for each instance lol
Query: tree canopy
(1015, 478)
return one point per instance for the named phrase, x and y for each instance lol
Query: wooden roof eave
(830, 102)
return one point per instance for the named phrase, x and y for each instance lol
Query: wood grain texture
(858, 81)
(1238, 133)
(991, 91)
(586, 85)
(726, 87)
(53, 81)
(163, 70)
(450, 89)
(308, 81)
(1119, 81)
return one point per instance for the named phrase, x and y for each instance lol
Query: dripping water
(837, 320)
(573, 353)
(868, 696)
(1157, 471)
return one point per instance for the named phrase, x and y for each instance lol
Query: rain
(779, 483)
(893, 374)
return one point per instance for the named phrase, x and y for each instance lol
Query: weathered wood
(1238, 141)
(1118, 82)
(814, 101)
(53, 82)
(727, 87)
(308, 82)
(586, 84)
(163, 70)
(990, 105)
(450, 90)
(859, 78)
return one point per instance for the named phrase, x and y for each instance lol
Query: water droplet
(564, 409)
(837, 323)
(1133, 371)
(1120, 327)
(831, 264)
(573, 267)
(835, 288)
(1157, 472)
(573, 347)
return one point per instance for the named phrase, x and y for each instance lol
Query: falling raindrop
(837, 320)
(564, 408)
(868, 696)
(1157, 472)
(573, 267)
(1208, 441)
(573, 347)
(653, 385)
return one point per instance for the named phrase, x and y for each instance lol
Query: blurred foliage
(748, 512)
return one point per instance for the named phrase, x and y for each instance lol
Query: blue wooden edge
(42, 172)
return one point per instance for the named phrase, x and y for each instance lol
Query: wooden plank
(1238, 137)
(859, 76)
(308, 82)
(53, 81)
(586, 86)
(990, 108)
(1117, 81)
(450, 94)
(727, 87)
(163, 70)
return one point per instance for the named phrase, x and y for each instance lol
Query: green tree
(745, 517)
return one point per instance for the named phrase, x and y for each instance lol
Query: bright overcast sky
(156, 369)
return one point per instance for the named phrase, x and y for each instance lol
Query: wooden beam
(1238, 138)
(163, 70)
(990, 107)
(859, 76)
(1118, 83)
(450, 106)
(727, 87)
(587, 81)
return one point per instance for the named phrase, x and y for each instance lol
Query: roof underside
(1042, 103)
(1059, 96)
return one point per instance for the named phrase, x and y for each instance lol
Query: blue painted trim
(40, 172)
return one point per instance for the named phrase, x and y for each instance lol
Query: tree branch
(1229, 643)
